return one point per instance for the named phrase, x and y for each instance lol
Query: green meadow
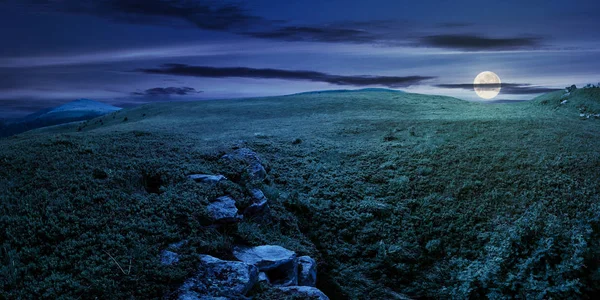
(394, 194)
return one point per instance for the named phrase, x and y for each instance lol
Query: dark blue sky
(126, 52)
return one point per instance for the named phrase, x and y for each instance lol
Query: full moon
(490, 78)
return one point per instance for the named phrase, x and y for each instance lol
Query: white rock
(564, 102)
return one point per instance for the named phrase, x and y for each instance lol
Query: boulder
(307, 271)
(168, 258)
(223, 210)
(278, 263)
(205, 178)
(219, 278)
(260, 204)
(304, 292)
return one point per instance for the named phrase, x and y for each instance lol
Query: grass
(428, 196)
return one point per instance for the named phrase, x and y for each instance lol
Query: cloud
(506, 88)
(478, 43)
(204, 14)
(233, 17)
(361, 80)
(168, 91)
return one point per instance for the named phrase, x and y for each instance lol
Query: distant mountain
(78, 110)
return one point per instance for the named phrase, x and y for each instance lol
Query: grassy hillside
(428, 196)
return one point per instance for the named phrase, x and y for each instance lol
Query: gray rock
(306, 292)
(307, 271)
(564, 101)
(168, 258)
(205, 178)
(223, 210)
(280, 264)
(260, 204)
(221, 278)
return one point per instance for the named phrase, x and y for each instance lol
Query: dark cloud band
(168, 91)
(507, 88)
(362, 80)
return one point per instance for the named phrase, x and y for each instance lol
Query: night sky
(126, 52)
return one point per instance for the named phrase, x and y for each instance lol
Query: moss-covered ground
(427, 196)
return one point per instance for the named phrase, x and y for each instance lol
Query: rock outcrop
(219, 278)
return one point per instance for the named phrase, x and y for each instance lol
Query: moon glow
(487, 78)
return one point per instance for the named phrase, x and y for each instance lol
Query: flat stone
(264, 257)
(307, 271)
(306, 292)
(205, 178)
(223, 210)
